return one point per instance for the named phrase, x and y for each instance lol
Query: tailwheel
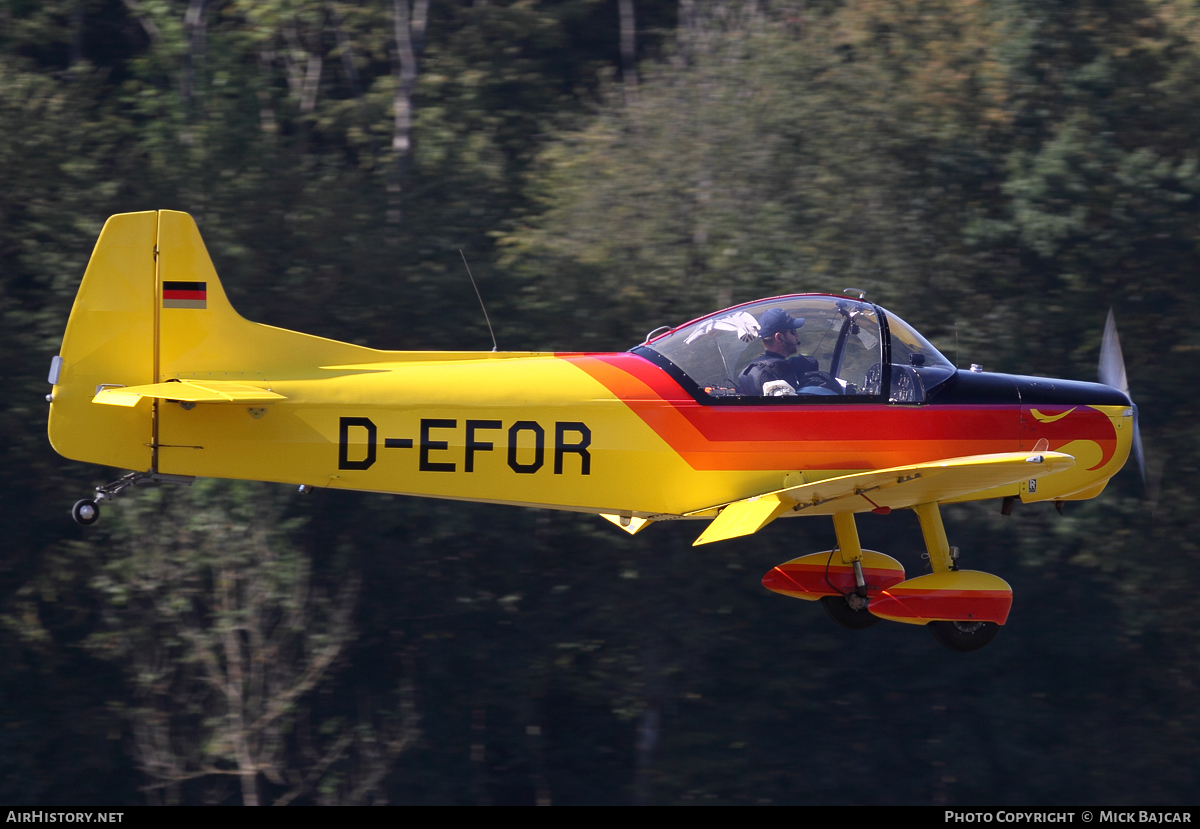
(847, 615)
(86, 512)
(964, 637)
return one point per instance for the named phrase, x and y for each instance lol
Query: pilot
(781, 359)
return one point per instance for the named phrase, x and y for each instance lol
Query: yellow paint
(847, 537)
(629, 523)
(898, 488)
(485, 410)
(1074, 483)
(743, 518)
(902, 487)
(957, 581)
(109, 340)
(871, 560)
(934, 533)
(209, 391)
(1050, 418)
(296, 440)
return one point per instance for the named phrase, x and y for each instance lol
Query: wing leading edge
(897, 488)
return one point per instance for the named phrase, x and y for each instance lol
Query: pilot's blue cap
(776, 321)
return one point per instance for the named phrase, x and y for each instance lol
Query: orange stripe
(841, 437)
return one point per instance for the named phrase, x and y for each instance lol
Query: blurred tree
(1016, 170)
(997, 173)
(224, 634)
(768, 157)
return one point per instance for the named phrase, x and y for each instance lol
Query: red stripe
(834, 436)
(170, 294)
(1084, 423)
(955, 605)
(812, 579)
(846, 436)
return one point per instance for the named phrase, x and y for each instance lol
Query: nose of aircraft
(984, 388)
(1046, 391)
(1093, 422)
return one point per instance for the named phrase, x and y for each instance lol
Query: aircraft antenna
(481, 305)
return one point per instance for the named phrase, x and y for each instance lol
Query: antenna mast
(480, 298)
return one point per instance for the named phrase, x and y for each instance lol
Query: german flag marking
(185, 295)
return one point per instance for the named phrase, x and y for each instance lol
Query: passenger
(781, 359)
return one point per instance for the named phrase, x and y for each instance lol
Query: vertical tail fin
(197, 328)
(151, 309)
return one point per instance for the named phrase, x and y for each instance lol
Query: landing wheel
(86, 512)
(964, 637)
(841, 612)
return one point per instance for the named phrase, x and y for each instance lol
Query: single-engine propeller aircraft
(807, 404)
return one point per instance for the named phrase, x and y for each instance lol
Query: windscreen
(917, 367)
(837, 350)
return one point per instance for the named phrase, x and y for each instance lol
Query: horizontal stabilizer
(900, 487)
(190, 391)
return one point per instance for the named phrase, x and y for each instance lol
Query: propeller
(1112, 373)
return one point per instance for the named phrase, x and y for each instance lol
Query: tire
(846, 616)
(964, 637)
(86, 512)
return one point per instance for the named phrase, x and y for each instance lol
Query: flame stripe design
(831, 436)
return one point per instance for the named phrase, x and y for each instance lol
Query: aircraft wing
(191, 391)
(896, 488)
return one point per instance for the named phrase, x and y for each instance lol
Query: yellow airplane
(808, 404)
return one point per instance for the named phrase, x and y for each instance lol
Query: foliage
(224, 635)
(999, 174)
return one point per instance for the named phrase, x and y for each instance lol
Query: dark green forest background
(998, 173)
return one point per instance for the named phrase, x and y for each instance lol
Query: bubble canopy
(846, 350)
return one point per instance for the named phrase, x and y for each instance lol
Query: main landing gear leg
(87, 511)
(850, 610)
(957, 636)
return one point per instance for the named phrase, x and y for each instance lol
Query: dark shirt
(771, 366)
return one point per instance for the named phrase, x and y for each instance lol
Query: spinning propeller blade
(1112, 373)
